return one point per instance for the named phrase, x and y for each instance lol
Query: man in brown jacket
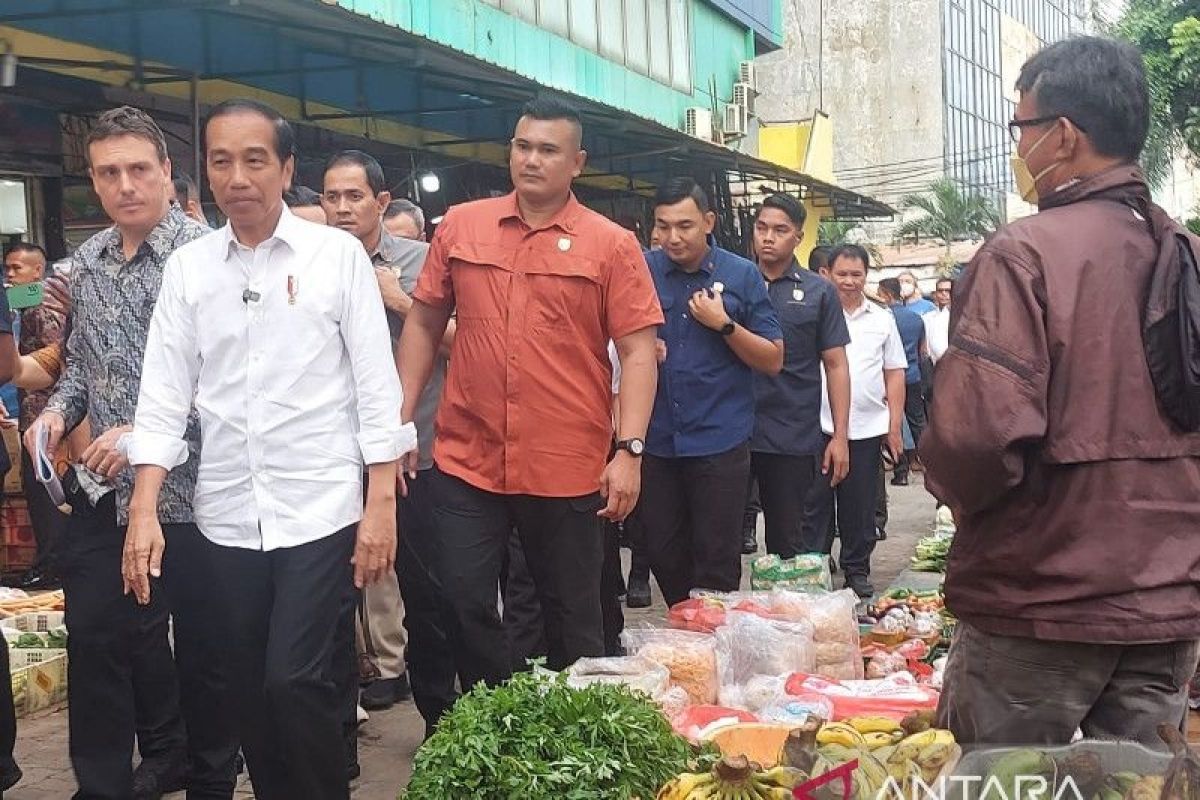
(1076, 568)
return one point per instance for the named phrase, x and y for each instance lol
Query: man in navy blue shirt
(912, 333)
(719, 329)
(787, 438)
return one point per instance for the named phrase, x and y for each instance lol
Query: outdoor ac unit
(746, 74)
(735, 120)
(743, 95)
(697, 121)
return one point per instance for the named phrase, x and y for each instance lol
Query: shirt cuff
(382, 446)
(159, 449)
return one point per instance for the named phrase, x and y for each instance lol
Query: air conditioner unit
(746, 74)
(697, 121)
(736, 121)
(743, 95)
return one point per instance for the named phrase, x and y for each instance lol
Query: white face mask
(1026, 180)
(907, 290)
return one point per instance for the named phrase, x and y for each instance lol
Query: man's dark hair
(940, 281)
(818, 259)
(855, 251)
(185, 187)
(405, 206)
(676, 190)
(891, 286)
(285, 137)
(788, 205)
(300, 195)
(27, 247)
(369, 165)
(550, 108)
(1098, 84)
(127, 121)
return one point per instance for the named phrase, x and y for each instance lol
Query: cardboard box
(38, 622)
(22, 657)
(44, 685)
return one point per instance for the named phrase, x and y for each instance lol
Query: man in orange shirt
(541, 284)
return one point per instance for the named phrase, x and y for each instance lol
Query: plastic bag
(698, 722)
(690, 658)
(642, 674)
(797, 710)
(704, 612)
(808, 572)
(895, 696)
(835, 628)
(750, 646)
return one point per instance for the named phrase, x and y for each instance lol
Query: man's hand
(103, 457)
(660, 350)
(54, 424)
(142, 558)
(620, 485)
(895, 445)
(375, 547)
(708, 309)
(395, 299)
(836, 463)
(5, 420)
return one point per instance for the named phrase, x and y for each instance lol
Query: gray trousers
(1004, 690)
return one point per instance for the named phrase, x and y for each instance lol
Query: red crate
(15, 525)
(17, 557)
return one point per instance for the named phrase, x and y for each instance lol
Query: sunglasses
(1015, 126)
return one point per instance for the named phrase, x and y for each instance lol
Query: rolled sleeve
(381, 446)
(159, 449)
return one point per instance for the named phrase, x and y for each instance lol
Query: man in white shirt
(877, 366)
(937, 323)
(275, 327)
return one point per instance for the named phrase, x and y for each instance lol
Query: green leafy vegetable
(931, 553)
(538, 739)
(29, 640)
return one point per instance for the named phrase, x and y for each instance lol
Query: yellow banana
(840, 733)
(877, 739)
(783, 777)
(921, 739)
(873, 724)
(682, 786)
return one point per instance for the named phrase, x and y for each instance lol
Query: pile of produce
(807, 572)
(535, 738)
(734, 778)
(932, 552)
(52, 639)
(15, 601)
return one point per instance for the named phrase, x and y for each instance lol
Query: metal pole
(196, 155)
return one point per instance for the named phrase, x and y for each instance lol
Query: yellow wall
(805, 147)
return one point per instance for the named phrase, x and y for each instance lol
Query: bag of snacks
(835, 628)
(690, 658)
(808, 572)
(750, 646)
(648, 677)
(705, 611)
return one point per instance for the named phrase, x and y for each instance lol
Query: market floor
(389, 739)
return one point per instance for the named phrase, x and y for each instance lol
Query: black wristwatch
(635, 447)
(728, 328)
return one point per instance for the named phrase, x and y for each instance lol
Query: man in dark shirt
(787, 428)
(912, 333)
(719, 329)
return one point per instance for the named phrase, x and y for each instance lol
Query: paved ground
(388, 741)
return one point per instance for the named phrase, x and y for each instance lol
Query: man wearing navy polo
(720, 328)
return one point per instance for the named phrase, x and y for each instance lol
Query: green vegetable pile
(931, 553)
(535, 738)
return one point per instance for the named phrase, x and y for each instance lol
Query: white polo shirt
(874, 346)
(937, 332)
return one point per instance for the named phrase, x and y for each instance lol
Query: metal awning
(326, 66)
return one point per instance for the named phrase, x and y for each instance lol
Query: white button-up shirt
(874, 346)
(937, 332)
(284, 351)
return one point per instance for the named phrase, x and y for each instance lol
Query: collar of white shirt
(289, 230)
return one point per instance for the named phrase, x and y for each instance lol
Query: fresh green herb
(931, 553)
(535, 738)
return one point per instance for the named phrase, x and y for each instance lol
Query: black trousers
(914, 411)
(853, 501)
(283, 628)
(691, 512)
(49, 524)
(431, 669)
(563, 543)
(753, 503)
(783, 486)
(8, 718)
(344, 674)
(122, 674)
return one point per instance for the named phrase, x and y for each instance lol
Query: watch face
(636, 446)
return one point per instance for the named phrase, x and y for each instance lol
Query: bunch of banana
(868, 778)
(841, 733)
(921, 755)
(1117, 785)
(734, 778)
(877, 731)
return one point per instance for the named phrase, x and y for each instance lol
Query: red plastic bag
(895, 696)
(693, 720)
(707, 613)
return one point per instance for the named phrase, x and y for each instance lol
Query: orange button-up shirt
(527, 404)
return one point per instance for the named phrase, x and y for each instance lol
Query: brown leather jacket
(1078, 504)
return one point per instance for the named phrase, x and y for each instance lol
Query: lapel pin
(564, 244)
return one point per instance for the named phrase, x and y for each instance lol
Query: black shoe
(639, 592)
(880, 535)
(861, 586)
(10, 776)
(353, 771)
(36, 580)
(384, 693)
(151, 780)
(749, 542)
(900, 480)
(833, 565)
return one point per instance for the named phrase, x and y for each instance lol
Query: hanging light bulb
(8, 65)
(430, 183)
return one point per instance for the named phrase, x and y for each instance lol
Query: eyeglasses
(1015, 126)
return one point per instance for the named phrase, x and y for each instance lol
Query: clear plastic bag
(808, 572)
(750, 646)
(706, 611)
(835, 628)
(690, 658)
(642, 674)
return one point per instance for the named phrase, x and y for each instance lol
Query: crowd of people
(329, 454)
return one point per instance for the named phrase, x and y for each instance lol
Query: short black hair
(855, 251)
(26, 247)
(1098, 84)
(788, 205)
(545, 107)
(676, 190)
(300, 195)
(370, 167)
(185, 187)
(940, 281)
(818, 259)
(891, 286)
(285, 137)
